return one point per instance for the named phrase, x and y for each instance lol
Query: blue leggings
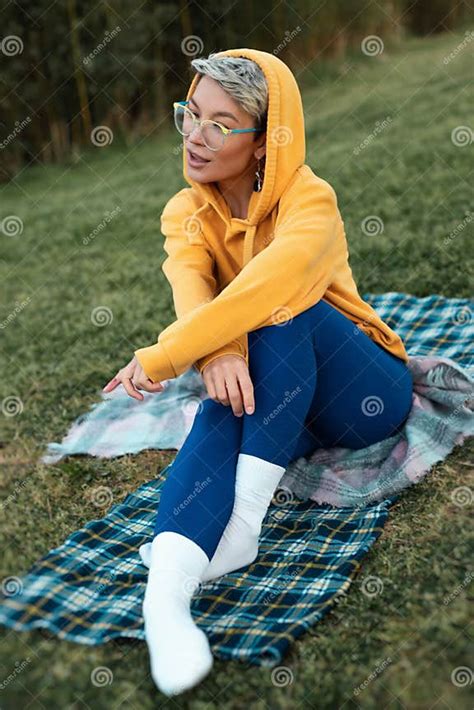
(319, 381)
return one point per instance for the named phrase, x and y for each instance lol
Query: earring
(258, 182)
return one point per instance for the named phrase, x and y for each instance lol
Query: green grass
(417, 182)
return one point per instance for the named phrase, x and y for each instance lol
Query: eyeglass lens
(212, 135)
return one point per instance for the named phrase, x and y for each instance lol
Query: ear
(261, 146)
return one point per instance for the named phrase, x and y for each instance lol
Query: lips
(195, 156)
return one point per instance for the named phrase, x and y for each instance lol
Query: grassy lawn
(402, 648)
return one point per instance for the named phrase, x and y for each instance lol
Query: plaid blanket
(438, 334)
(90, 588)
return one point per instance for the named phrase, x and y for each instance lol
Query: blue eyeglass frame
(225, 130)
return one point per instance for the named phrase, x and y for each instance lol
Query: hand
(227, 381)
(133, 378)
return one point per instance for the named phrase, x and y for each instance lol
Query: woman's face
(240, 150)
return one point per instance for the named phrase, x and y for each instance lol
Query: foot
(180, 656)
(238, 547)
(179, 651)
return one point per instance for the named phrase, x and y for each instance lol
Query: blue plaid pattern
(90, 589)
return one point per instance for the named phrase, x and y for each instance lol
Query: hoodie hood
(285, 147)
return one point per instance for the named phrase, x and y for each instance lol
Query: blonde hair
(242, 79)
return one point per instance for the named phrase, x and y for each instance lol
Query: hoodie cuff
(155, 363)
(233, 348)
(210, 358)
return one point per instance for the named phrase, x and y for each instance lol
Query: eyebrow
(217, 113)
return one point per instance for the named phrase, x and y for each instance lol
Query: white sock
(180, 656)
(255, 485)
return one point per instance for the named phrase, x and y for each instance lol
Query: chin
(198, 178)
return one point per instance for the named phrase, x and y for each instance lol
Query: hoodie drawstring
(248, 243)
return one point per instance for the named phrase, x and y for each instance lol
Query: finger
(221, 389)
(246, 387)
(114, 382)
(235, 396)
(141, 380)
(211, 390)
(148, 385)
(130, 389)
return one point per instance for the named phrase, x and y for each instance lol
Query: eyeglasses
(213, 134)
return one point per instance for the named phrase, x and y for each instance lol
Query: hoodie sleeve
(301, 257)
(189, 269)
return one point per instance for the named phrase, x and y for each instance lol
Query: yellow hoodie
(230, 275)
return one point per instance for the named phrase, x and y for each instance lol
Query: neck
(237, 193)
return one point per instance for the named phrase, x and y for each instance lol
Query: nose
(190, 135)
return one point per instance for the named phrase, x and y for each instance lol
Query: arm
(301, 257)
(189, 270)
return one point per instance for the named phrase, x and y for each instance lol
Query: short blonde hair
(242, 79)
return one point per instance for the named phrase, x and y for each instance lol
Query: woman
(268, 312)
